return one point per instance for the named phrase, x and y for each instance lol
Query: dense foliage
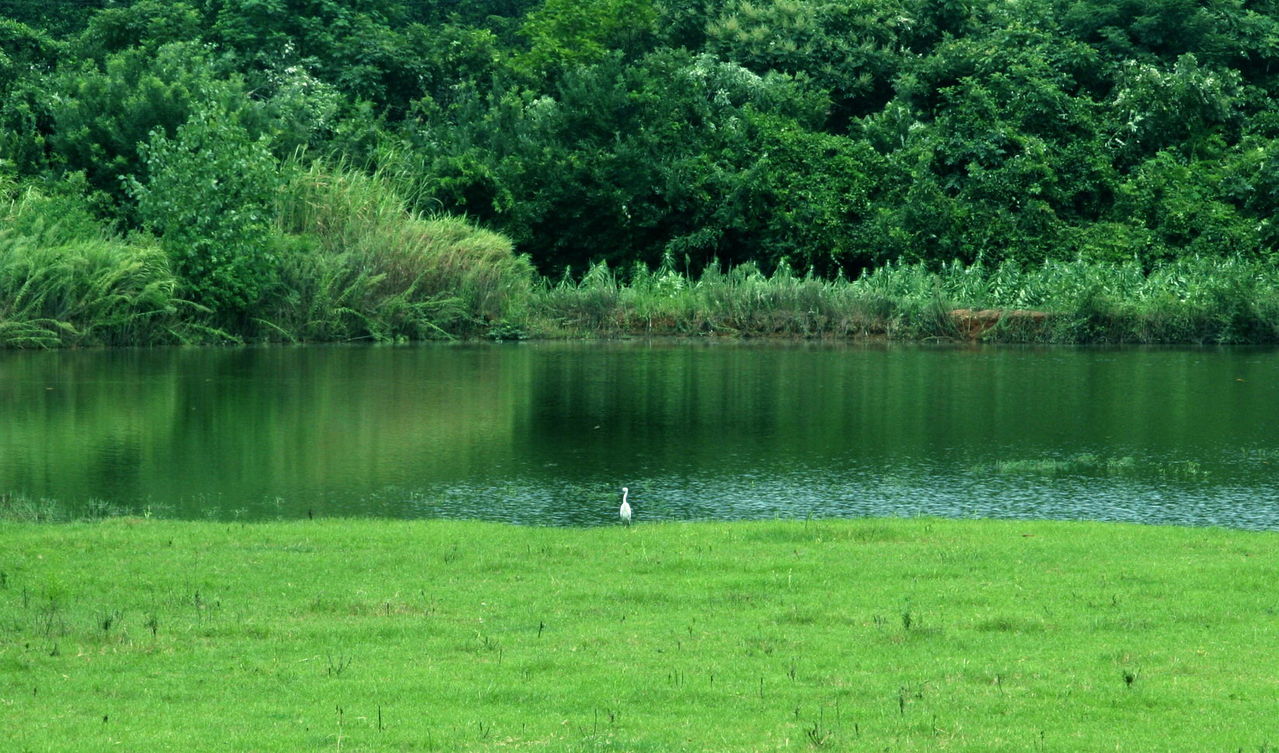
(835, 137)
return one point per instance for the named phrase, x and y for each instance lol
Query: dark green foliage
(851, 50)
(1158, 29)
(565, 34)
(810, 135)
(102, 115)
(147, 24)
(208, 195)
(360, 47)
(23, 49)
(26, 57)
(57, 16)
(627, 162)
(1190, 107)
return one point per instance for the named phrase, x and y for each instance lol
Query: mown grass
(898, 635)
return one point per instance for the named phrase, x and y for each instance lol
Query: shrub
(208, 196)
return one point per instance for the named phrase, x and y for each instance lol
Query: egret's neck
(624, 493)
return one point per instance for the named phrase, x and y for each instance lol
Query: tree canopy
(824, 136)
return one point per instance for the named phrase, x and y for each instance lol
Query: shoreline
(1189, 302)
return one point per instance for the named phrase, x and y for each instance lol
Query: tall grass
(20, 508)
(1195, 300)
(738, 301)
(65, 281)
(358, 265)
(354, 263)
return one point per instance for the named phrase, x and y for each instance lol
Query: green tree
(471, 13)
(208, 196)
(357, 46)
(849, 50)
(1146, 30)
(101, 115)
(563, 34)
(23, 49)
(1192, 107)
(146, 23)
(26, 58)
(1186, 207)
(799, 198)
(1004, 146)
(57, 17)
(675, 154)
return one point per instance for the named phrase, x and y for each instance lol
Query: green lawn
(867, 635)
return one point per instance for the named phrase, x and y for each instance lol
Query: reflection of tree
(756, 410)
(236, 428)
(560, 428)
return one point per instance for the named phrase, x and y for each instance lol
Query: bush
(208, 195)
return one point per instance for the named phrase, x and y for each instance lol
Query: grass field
(866, 635)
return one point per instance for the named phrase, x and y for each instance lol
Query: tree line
(831, 137)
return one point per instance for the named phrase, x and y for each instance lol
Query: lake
(547, 433)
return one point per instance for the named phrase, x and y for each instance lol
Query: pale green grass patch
(900, 635)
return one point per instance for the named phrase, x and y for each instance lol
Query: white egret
(625, 510)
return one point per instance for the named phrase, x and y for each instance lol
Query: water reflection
(547, 433)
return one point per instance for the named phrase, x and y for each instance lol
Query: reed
(1192, 300)
(21, 508)
(358, 265)
(741, 301)
(65, 281)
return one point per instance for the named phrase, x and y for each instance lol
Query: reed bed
(1194, 300)
(361, 266)
(65, 282)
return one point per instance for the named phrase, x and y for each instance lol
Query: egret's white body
(625, 510)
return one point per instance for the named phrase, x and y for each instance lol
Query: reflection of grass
(23, 509)
(456, 409)
(1083, 463)
(907, 635)
(1089, 463)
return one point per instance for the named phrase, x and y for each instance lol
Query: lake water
(548, 433)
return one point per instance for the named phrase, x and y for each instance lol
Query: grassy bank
(900, 635)
(1231, 300)
(349, 261)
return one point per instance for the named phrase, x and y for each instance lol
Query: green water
(548, 433)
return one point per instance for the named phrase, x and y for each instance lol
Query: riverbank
(906, 635)
(1190, 301)
(112, 298)
(346, 260)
